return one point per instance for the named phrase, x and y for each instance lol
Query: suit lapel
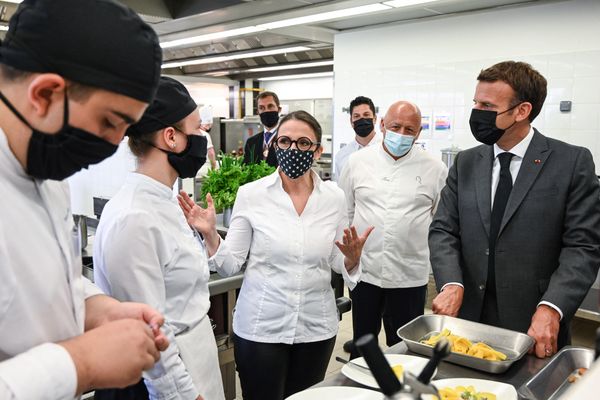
(533, 162)
(483, 186)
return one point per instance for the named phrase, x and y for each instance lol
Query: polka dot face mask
(293, 162)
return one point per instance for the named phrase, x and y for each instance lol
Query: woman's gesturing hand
(352, 245)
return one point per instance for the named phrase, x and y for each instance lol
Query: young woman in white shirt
(293, 230)
(145, 250)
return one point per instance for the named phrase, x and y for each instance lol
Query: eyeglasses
(302, 144)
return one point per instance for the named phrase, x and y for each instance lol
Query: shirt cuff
(353, 276)
(174, 384)
(43, 372)
(452, 283)
(554, 306)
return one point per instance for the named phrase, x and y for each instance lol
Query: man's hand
(103, 309)
(112, 355)
(544, 328)
(448, 301)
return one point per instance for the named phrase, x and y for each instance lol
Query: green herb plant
(223, 183)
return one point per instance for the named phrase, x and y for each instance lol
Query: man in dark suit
(259, 147)
(515, 241)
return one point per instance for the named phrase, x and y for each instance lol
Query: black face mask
(483, 125)
(363, 127)
(293, 162)
(60, 155)
(269, 118)
(189, 161)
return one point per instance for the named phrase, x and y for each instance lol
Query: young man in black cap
(74, 74)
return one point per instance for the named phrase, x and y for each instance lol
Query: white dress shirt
(286, 296)
(145, 251)
(42, 291)
(398, 198)
(518, 152)
(341, 157)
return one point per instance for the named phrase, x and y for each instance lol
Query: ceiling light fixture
(4, 28)
(325, 16)
(216, 59)
(291, 66)
(307, 19)
(298, 76)
(211, 36)
(406, 3)
(12, 1)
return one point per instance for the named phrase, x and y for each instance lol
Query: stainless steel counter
(517, 375)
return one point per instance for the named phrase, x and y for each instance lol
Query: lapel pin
(537, 161)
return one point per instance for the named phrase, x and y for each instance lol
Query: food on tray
(463, 345)
(464, 393)
(575, 376)
(398, 370)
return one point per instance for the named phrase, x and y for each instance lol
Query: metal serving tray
(552, 381)
(514, 344)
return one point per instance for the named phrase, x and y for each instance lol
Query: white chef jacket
(399, 198)
(42, 291)
(286, 296)
(341, 157)
(145, 251)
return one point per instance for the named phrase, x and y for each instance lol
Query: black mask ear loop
(505, 111)
(14, 110)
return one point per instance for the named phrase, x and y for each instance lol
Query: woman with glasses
(145, 251)
(292, 228)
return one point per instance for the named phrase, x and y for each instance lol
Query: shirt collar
(519, 149)
(376, 138)
(13, 164)
(157, 187)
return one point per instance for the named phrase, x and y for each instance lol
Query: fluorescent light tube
(290, 66)
(406, 3)
(308, 19)
(216, 59)
(298, 76)
(211, 36)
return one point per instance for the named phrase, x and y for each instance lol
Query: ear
(418, 134)
(45, 89)
(279, 109)
(382, 127)
(523, 111)
(168, 137)
(318, 153)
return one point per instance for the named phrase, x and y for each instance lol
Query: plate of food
(358, 371)
(472, 389)
(337, 392)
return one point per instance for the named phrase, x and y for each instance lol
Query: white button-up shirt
(286, 296)
(398, 198)
(144, 251)
(341, 157)
(42, 291)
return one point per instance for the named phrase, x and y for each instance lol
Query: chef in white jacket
(64, 107)
(145, 251)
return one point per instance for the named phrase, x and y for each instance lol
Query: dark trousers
(274, 371)
(134, 392)
(371, 304)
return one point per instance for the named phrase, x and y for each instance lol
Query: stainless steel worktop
(517, 375)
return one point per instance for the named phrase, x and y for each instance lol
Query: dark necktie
(500, 200)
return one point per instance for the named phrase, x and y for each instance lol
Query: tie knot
(504, 159)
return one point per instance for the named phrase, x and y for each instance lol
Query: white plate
(337, 392)
(502, 391)
(412, 364)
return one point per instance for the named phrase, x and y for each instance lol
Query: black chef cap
(171, 104)
(98, 43)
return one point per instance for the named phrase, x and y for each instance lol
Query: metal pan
(553, 380)
(514, 344)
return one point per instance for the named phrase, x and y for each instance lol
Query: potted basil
(223, 183)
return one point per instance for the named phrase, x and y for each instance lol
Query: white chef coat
(398, 198)
(145, 251)
(341, 157)
(42, 291)
(286, 296)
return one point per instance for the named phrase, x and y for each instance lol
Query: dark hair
(76, 91)
(262, 95)
(307, 119)
(528, 84)
(140, 144)
(362, 100)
